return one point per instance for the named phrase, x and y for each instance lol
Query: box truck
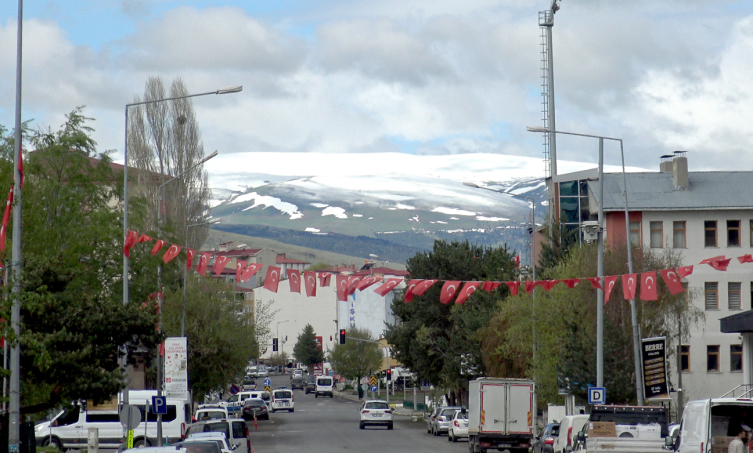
(501, 414)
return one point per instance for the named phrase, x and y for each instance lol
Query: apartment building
(700, 215)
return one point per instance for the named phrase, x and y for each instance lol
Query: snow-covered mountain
(403, 199)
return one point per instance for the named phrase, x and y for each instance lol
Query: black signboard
(654, 358)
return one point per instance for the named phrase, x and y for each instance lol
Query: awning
(739, 323)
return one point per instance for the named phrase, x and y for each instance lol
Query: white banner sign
(176, 367)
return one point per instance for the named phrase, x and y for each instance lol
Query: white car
(458, 427)
(210, 413)
(219, 438)
(376, 412)
(282, 400)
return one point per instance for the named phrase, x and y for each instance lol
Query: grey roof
(738, 323)
(657, 191)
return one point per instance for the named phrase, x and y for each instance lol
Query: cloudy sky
(409, 76)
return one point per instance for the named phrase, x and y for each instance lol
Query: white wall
(367, 310)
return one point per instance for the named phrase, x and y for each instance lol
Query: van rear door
(694, 430)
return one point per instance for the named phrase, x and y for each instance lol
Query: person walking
(737, 445)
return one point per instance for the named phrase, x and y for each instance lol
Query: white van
(283, 400)
(569, 428)
(710, 424)
(70, 428)
(324, 386)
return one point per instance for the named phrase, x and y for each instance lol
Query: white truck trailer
(501, 415)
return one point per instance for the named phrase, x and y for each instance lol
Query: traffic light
(342, 336)
(330, 338)
(389, 375)
(274, 344)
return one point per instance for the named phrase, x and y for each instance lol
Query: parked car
(458, 426)
(255, 407)
(441, 422)
(376, 412)
(568, 430)
(310, 384)
(210, 413)
(201, 446)
(235, 431)
(430, 419)
(544, 442)
(218, 438)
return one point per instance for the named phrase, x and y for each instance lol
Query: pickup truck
(615, 429)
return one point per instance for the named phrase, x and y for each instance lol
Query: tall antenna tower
(546, 22)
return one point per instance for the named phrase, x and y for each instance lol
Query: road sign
(130, 417)
(373, 388)
(267, 382)
(373, 380)
(365, 387)
(234, 389)
(597, 395)
(159, 405)
(267, 388)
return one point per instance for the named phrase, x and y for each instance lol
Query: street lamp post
(279, 343)
(600, 267)
(126, 261)
(533, 257)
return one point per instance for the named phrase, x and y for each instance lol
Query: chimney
(666, 163)
(680, 170)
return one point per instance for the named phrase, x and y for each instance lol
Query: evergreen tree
(306, 350)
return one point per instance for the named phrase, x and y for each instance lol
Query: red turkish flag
(514, 286)
(388, 286)
(548, 284)
(712, 259)
(6, 220)
(609, 283)
(157, 247)
(529, 286)
(423, 286)
(745, 259)
(571, 282)
(408, 296)
(342, 287)
(294, 277)
(272, 278)
(324, 278)
(468, 289)
(517, 260)
(490, 286)
(629, 284)
(130, 241)
(720, 265)
(449, 289)
(143, 238)
(595, 282)
(201, 268)
(648, 286)
(219, 264)
(309, 277)
(189, 257)
(239, 265)
(672, 280)
(352, 282)
(171, 253)
(684, 271)
(250, 271)
(368, 281)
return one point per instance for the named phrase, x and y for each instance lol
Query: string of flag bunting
(347, 285)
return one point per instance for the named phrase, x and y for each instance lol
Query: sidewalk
(398, 408)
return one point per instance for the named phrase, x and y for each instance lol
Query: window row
(679, 233)
(713, 363)
(734, 295)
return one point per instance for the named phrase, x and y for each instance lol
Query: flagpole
(14, 436)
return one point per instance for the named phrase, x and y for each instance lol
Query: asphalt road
(331, 424)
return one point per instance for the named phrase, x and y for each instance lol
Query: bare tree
(164, 140)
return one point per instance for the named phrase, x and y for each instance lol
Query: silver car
(441, 423)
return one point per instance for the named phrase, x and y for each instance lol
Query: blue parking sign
(597, 395)
(159, 405)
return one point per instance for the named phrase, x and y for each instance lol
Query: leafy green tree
(73, 317)
(220, 335)
(440, 342)
(279, 359)
(306, 350)
(355, 359)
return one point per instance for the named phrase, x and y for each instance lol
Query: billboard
(654, 359)
(176, 367)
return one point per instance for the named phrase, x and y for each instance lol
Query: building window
(733, 233)
(685, 357)
(657, 235)
(734, 290)
(635, 234)
(712, 358)
(736, 357)
(678, 235)
(710, 233)
(712, 295)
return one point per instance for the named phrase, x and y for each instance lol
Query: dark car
(310, 386)
(255, 407)
(544, 442)
(297, 383)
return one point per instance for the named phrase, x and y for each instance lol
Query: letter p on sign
(159, 405)
(597, 395)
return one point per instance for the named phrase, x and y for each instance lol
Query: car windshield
(254, 402)
(284, 394)
(212, 415)
(448, 412)
(201, 447)
(555, 430)
(462, 416)
(377, 405)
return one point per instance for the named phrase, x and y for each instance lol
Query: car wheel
(454, 439)
(436, 432)
(361, 425)
(316, 395)
(331, 395)
(292, 410)
(449, 437)
(52, 442)
(389, 426)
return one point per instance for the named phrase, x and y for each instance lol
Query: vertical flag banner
(629, 283)
(654, 358)
(648, 286)
(672, 280)
(176, 368)
(272, 279)
(342, 287)
(171, 253)
(219, 264)
(449, 289)
(294, 278)
(189, 257)
(201, 268)
(250, 271)
(157, 247)
(309, 278)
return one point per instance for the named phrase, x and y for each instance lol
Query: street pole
(14, 420)
(600, 275)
